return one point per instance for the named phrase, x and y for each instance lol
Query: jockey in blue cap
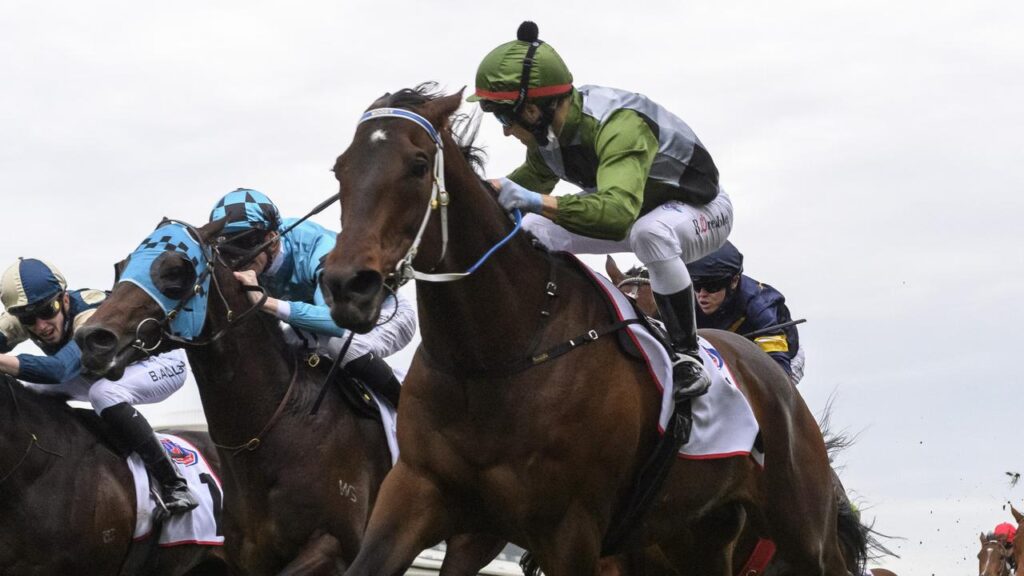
(39, 307)
(729, 300)
(290, 268)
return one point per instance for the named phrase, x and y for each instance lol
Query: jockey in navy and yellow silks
(39, 307)
(649, 185)
(290, 270)
(729, 300)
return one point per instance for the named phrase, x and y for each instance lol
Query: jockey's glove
(512, 196)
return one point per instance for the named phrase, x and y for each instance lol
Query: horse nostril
(96, 340)
(365, 283)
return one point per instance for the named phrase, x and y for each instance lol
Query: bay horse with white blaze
(542, 456)
(298, 488)
(67, 497)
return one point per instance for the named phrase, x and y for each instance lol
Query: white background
(872, 151)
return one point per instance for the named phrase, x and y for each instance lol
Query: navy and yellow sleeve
(61, 367)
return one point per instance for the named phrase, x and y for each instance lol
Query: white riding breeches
(673, 231)
(147, 381)
(384, 340)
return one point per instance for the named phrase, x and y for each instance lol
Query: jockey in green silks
(648, 184)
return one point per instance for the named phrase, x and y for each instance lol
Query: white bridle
(438, 199)
(438, 194)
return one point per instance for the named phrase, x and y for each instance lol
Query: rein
(212, 257)
(32, 441)
(257, 440)
(439, 199)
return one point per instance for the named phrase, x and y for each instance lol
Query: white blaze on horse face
(378, 135)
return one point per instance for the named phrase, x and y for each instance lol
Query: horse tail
(529, 564)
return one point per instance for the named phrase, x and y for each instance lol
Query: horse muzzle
(355, 297)
(100, 352)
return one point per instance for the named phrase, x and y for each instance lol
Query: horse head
(392, 182)
(634, 283)
(1018, 551)
(995, 556)
(158, 301)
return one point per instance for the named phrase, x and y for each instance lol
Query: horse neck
(27, 418)
(490, 316)
(243, 376)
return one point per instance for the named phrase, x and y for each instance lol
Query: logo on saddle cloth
(716, 357)
(179, 453)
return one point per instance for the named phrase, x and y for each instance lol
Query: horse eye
(419, 168)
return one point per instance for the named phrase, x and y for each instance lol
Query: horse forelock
(463, 127)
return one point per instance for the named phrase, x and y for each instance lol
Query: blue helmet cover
(726, 261)
(246, 209)
(172, 236)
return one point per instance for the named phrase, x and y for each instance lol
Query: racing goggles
(28, 315)
(711, 284)
(503, 112)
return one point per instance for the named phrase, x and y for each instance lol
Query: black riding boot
(689, 379)
(132, 427)
(373, 371)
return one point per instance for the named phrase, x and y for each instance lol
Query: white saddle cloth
(198, 526)
(723, 422)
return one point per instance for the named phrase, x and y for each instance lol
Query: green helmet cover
(498, 76)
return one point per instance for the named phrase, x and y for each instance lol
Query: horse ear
(982, 537)
(213, 228)
(613, 270)
(1016, 515)
(442, 108)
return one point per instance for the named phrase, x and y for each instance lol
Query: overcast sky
(872, 150)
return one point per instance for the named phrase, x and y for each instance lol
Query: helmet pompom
(527, 32)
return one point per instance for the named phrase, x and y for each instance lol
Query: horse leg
(321, 556)
(802, 517)
(466, 554)
(706, 549)
(573, 548)
(409, 516)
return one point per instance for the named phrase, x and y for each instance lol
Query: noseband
(1005, 555)
(439, 199)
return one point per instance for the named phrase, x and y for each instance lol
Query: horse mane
(464, 127)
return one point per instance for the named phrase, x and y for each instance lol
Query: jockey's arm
(625, 147)
(398, 314)
(60, 367)
(776, 344)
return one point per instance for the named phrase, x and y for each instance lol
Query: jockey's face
(263, 259)
(710, 301)
(50, 330)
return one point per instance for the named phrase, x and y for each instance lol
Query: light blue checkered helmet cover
(246, 209)
(171, 236)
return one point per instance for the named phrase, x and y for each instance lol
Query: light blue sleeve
(315, 317)
(61, 367)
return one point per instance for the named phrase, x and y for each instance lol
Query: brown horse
(1018, 551)
(996, 555)
(541, 456)
(299, 488)
(67, 497)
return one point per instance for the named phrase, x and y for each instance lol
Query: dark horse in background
(67, 497)
(543, 457)
(299, 488)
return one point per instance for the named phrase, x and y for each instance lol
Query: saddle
(353, 391)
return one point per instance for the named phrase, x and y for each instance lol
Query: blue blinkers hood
(190, 310)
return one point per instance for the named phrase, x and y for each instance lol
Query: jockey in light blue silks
(39, 307)
(290, 270)
(649, 186)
